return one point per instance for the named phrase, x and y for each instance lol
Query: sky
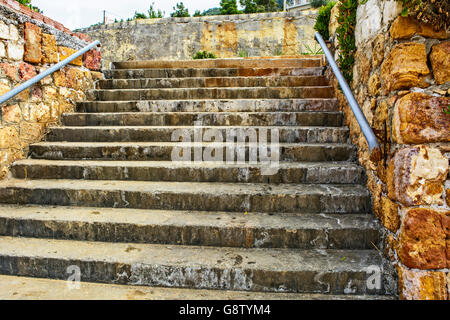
(83, 13)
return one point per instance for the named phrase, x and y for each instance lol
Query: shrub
(204, 55)
(318, 3)
(346, 37)
(435, 12)
(180, 11)
(323, 20)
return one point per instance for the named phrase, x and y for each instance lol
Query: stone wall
(28, 46)
(401, 81)
(265, 34)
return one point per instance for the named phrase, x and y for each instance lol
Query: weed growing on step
(204, 55)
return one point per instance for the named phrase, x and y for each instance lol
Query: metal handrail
(359, 115)
(46, 73)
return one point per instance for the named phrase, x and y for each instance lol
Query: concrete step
(165, 133)
(219, 229)
(25, 288)
(290, 172)
(223, 63)
(212, 93)
(174, 151)
(270, 270)
(329, 119)
(210, 72)
(203, 196)
(213, 82)
(246, 105)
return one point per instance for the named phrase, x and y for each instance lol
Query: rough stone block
(416, 176)
(26, 71)
(333, 25)
(4, 86)
(33, 38)
(74, 78)
(440, 62)
(13, 32)
(389, 214)
(4, 31)
(59, 77)
(12, 113)
(403, 28)
(49, 49)
(65, 52)
(368, 17)
(405, 67)
(92, 60)
(2, 50)
(33, 112)
(31, 132)
(422, 242)
(9, 137)
(14, 51)
(374, 84)
(422, 285)
(419, 118)
(427, 30)
(10, 71)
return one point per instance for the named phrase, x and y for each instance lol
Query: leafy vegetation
(256, 6)
(204, 55)
(211, 12)
(27, 3)
(243, 53)
(229, 7)
(180, 11)
(435, 12)
(323, 20)
(318, 3)
(346, 37)
(312, 50)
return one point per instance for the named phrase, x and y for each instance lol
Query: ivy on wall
(346, 37)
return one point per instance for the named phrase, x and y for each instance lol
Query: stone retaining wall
(30, 43)
(265, 34)
(402, 82)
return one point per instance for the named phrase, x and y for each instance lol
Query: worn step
(26, 288)
(169, 133)
(222, 63)
(181, 151)
(221, 229)
(246, 105)
(203, 196)
(291, 172)
(210, 72)
(212, 93)
(330, 119)
(255, 269)
(213, 82)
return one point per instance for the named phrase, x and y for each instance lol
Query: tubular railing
(46, 73)
(359, 115)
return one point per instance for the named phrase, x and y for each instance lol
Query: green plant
(243, 53)
(204, 55)
(318, 3)
(153, 14)
(180, 11)
(435, 12)
(447, 110)
(27, 3)
(229, 7)
(346, 37)
(312, 50)
(197, 13)
(211, 12)
(323, 20)
(278, 52)
(256, 6)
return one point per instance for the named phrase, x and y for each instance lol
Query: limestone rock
(65, 52)
(374, 85)
(92, 60)
(378, 51)
(419, 118)
(368, 21)
(9, 137)
(426, 30)
(422, 285)
(5, 87)
(26, 71)
(49, 49)
(10, 71)
(422, 239)
(33, 36)
(416, 175)
(389, 214)
(440, 62)
(11, 113)
(14, 51)
(333, 25)
(405, 67)
(403, 28)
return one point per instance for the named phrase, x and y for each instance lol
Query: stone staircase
(102, 193)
